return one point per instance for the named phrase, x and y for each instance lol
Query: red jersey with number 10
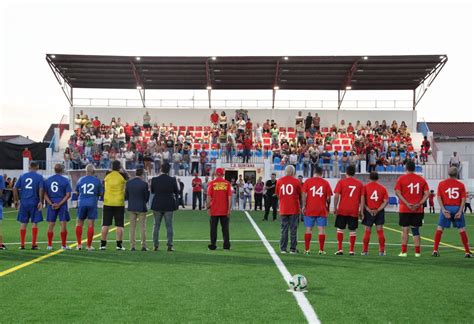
(412, 187)
(350, 190)
(374, 194)
(288, 190)
(317, 192)
(451, 191)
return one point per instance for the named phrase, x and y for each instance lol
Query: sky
(31, 99)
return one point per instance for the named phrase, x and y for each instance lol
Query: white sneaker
(120, 248)
(90, 248)
(79, 247)
(103, 248)
(65, 247)
(49, 248)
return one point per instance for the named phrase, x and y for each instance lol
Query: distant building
(16, 139)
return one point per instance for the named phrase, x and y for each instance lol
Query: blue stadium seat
(379, 168)
(399, 168)
(393, 201)
(258, 153)
(277, 167)
(411, 155)
(277, 160)
(419, 169)
(392, 154)
(214, 153)
(403, 155)
(390, 168)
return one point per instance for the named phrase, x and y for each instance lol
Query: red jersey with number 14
(350, 190)
(374, 195)
(317, 192)
(412, 187)
(451, 191)
(288, 190)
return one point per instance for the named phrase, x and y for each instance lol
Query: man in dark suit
(165, 189)
(137, 194)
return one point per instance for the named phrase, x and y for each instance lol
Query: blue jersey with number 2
(29, 185)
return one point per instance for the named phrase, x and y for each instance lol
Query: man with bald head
(57, 192)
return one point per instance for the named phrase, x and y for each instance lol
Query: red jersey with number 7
(451, 191)
(350, 191)
(374, 194)
(288, 190)
(412, 187)
(317, 192)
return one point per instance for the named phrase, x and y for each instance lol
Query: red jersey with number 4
(350, 190)
(219, 190)
(288, 190)
(412, 187)
(374, 194)
(317, 192)
(451, 191)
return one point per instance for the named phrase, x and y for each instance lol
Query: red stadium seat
(197, 146)
(347, 148)
(266, 147)
(205, 146)
(266, 135)
(328, 147)
(291, 135)
(199, 128)
(291, 129)
(324, 130)
(207, 128)
(182, 128)
(282, 129)
(336, 142)
(198, 135)
(266, 141)
(337, 147)
(345, 142)
(191, 128)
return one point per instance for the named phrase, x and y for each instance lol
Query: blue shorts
(53, 214)
(1, 210)
(29, 213)
(446, 223)
(87, 212)
(311, 221)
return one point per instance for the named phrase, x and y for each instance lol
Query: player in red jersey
(413, 191)
(451, 198)
(347, 203)
(374, 200)
(219, 205)
(316, 197)
(431, 201)
(288, 190)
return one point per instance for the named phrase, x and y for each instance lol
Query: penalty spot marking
(46, 256)
(303, 302)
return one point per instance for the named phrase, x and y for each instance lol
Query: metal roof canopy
(339, 73)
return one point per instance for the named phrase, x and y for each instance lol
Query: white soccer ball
(298, 282)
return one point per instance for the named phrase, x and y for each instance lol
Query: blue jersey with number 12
(89, 189)
(29, 184)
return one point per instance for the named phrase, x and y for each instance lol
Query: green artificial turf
(193, 284)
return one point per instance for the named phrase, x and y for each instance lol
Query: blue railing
(423, 128)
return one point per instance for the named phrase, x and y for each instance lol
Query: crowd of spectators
(7, 198)
(193, 149)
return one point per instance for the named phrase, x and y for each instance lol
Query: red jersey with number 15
(288, 190)
(317, 192)
(412, 187)
(374, 194)
(451, 191)
(350, 190)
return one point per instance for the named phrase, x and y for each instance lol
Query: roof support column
(140, 85)
(208, 83)
(275, 83)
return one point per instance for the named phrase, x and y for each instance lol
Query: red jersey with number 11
(374, 194)
(317, 192)
(288, 190)
(350, 190)
(412, 187)
(451, 191)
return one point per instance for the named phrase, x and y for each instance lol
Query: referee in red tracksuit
(219, 205)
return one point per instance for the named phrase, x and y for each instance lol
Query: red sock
(322, 239)
(90, 236)
(381, 236)
(404, 248)
(79, 235)
(465, 241)
(437, 239)
(365, 241)
(307, 240)
(417, 249)
(22, 236)
(340, 237)
(63, 238)
(50, 238)
(34, 232)
(352, 240)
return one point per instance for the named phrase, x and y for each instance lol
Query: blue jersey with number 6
(29, 184)
(89, 189)
(56, 187)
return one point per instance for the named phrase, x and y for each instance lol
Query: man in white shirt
(248, 188)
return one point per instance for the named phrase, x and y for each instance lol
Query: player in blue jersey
(89, 189)
(57, 192)
(30, 201)
(2, 189)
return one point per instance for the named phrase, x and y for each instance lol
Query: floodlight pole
(208, 82)
(347, 82)
(138, 81)
(275, 82)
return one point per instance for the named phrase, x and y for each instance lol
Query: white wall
(465, 150)
(284, 117)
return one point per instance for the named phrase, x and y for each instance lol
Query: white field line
(303, 302)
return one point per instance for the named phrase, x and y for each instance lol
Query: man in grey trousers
(165, 189)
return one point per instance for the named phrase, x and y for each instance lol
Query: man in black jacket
(181, 193)
(137, 194)
(165, 189)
